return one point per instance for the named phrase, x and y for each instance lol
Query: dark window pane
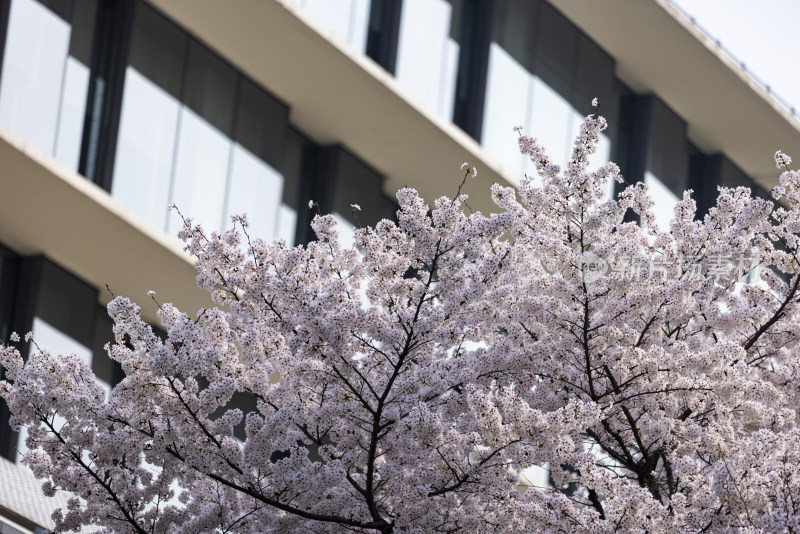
(80, 45)
(203, 150)
(296, 162)
(515, 29)
(556, 49)
(66, 303)
(471, 28)
(210, 87)
(104, 367)
(668, 151)
(9, 281)
(36, 47)
(382, 32)
(594, 78)
(351, 181)
(158, 49)
(62, 8)
(261, 123)
(255, 183)
(72, 114)
(5, 528)
(149, 116)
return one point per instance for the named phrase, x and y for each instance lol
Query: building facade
(111, 110)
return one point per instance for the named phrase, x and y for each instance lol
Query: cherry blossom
(406, 384)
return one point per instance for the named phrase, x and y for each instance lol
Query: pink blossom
(409, 383)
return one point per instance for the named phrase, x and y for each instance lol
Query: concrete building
(112, 109)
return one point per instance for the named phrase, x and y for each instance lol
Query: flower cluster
(782, 160)
(405, 384)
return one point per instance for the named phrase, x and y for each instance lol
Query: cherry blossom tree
(406, 384)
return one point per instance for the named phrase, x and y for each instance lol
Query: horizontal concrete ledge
(337, 94)
(47, 209)
(658, 50)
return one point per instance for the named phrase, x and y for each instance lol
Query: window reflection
(427, 56)
(508, 91)
(76, 85)
(201, 165)
(149, 116)
(145, 148)
(45, 76)
(538, 78)
(37, 45)
(196, 133)
(664, 199)
(256, 187)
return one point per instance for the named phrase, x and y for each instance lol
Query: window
(149, 118)
(427, 55)
(196, 133)
(204, 140)
(45, 77)
(667, 170)
(256, 186)
(382, 32)
(540, 71)
(9, 279)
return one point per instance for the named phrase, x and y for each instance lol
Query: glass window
(201, 167)
(542, 75)
(256, 186)
(45, 79)
(210, 88)
(664, 198)
(382, 32)
(149, 116)
(667, 164)
(37, 45)
(255, 189)
(594, 78)
(66, 303)
(261, 123)
(76, 85)
(347, 229)
(194, 132)
(515, 29)
(471, 28)
(509, 88)
(355, 183)
(298, 170)
(105, 369)
(9, 280)
(6, 528)
(552, 120)
(427, 55)
(556, 44)
(204, 145)
(625, 128)
(668, 156)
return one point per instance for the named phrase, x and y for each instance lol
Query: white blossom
(782, 160)
(406, 384)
